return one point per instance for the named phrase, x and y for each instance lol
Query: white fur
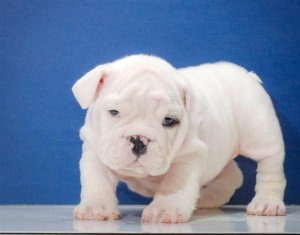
(223, 112)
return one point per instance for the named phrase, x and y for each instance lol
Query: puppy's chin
(137, 170)
(140, 168)
(134, 169)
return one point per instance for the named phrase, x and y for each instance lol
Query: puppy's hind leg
(219, 191)
(270, 186)
(261, 140)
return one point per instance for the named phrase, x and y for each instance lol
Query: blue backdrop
(45, 46)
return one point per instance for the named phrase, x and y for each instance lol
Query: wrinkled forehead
(142, 83)
(143, 89)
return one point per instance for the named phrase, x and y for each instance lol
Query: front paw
(266, 206)
(96, 211)
(162, 211)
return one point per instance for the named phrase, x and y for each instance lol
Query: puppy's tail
(255, 77)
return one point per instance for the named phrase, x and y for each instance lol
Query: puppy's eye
(114, 113)
(169, 121)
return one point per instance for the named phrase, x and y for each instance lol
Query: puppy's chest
(146, 186)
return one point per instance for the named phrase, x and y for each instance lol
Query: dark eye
(168, 121)
(113, 112)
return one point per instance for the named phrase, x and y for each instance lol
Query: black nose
(139, 147)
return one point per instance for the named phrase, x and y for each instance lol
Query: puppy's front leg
(98, 187)
(176, 197)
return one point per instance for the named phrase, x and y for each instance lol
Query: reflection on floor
(229, 219)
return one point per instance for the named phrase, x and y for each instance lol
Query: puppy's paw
(266, 206)
(162, 211)
(92, 211)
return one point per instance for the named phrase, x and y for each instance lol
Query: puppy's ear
(88, 86)
(195, 104)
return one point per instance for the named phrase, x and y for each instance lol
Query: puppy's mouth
(136, 156)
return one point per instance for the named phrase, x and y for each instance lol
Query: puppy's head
(137, 113)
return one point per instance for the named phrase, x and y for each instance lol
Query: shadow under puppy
(169, 132)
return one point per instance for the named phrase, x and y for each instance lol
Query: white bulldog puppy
(172, 134)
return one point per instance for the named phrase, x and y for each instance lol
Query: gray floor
(230, 219)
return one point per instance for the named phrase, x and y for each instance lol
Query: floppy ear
(195, 104)
(88, 86)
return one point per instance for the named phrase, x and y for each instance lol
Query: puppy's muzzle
(139, 145)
